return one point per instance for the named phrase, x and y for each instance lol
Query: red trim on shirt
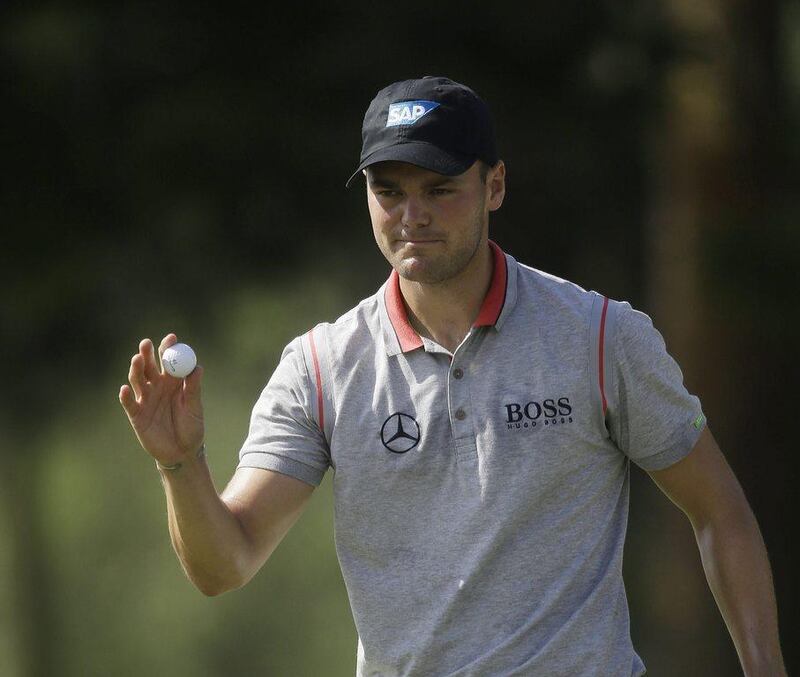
(496, 296)
(490, 309)
(602, 342)
(317, 373)
(406, 334)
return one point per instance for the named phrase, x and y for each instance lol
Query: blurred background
(181, 167)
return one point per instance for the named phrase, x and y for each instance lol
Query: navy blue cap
(432, 122)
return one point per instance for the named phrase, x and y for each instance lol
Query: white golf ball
(179, 360)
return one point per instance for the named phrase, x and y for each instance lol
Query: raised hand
(166, 413)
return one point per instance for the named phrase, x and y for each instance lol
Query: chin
(411, 269)
(415, 272)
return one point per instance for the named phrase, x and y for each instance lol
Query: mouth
(417, 242)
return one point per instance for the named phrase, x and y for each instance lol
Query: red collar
(487, 317)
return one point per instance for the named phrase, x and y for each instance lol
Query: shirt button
(458, 373)
(461, 414)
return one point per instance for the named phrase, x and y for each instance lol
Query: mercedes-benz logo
(400, 433)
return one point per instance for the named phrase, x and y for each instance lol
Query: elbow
(211, 592)
(210, 589)
(735, 515)
(740, 527)
(214, 587)
(228, 567)
(215, 584)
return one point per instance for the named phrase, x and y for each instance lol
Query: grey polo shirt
(481, 497)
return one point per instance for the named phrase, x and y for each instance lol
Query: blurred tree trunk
(709, 176)
(693, 168)
(29, 578)
(761, 259)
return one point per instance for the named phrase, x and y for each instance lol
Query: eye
(440, 191)
(387, 193)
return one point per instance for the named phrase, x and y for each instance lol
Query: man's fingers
(136, 375)
(128, 401)
(166, 342)
(151, 371)
(191, 390)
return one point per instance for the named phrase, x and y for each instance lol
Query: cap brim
(420, 154)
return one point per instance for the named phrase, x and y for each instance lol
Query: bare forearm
(737, 568)
(207, 536)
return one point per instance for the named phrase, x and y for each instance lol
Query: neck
(445, 312)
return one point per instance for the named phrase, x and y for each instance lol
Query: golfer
(479, 417)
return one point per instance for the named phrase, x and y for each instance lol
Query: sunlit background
(181, 167)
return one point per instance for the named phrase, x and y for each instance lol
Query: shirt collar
(402, 337)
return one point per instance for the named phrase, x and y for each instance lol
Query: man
(480, 417)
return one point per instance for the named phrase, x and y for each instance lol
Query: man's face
(429, 226)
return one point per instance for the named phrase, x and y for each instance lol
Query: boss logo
(531, 414)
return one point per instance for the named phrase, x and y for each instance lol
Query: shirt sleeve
(653, 419)
(284, 435)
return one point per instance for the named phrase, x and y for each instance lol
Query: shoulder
(360, 326)
(635, 333)
(310, 358)
(567, 313)
(560, 296)
(556, 298)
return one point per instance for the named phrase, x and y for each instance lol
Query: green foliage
(123, 605)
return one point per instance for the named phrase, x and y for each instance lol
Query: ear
(496, 186)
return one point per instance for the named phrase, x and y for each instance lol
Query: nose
(415, 212)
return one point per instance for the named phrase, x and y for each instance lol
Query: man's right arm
(222, 541)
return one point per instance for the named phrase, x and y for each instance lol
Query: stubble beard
(449, 265)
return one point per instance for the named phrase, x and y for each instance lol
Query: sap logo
(408, 112)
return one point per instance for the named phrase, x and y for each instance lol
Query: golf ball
(179, 360)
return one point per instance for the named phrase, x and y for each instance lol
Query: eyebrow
(380, 182)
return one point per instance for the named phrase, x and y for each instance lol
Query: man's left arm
(732, 550)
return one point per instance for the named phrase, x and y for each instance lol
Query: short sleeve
(652, 417)
(284, 435)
